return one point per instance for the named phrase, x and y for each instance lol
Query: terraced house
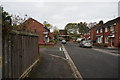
(109, 33)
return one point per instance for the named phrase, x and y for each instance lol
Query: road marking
(100, 50)
(60, 49)
(76, 73)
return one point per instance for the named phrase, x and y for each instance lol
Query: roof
(111, 22)
(30, 20)
(95, 27)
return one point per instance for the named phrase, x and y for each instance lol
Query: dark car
(63, 41)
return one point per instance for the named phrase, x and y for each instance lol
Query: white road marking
(72, 65)
(60, 49)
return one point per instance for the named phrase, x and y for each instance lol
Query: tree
(92, 24)
(82, 27)
(71, 28)
(17, 20)
(101, 22)
(6, 22)
(46, 24)
(55, 32)
(76, 28)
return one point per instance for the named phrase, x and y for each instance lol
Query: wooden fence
(20, 53)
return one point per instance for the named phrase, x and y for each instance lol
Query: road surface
(92, 63)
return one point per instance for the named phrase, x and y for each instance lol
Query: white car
(86, 44)
(63, 41)
(79, 39)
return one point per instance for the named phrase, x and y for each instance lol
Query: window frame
(112, 28)
(101, 30)
(99, 40)
(97, 31)
(106, 40)
(106, 29)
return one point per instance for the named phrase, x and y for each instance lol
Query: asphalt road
(91, 63)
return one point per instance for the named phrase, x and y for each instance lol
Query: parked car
(79, 40)
(85, 44)
(63, 41)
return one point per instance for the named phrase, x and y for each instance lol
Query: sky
(60, 12)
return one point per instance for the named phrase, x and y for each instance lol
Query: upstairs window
(111, 28)
(100, 30)
(97, 31)
(106, 29)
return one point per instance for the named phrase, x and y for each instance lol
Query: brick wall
(35, 27)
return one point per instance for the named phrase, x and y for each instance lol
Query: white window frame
(111, 28)
(97, 31)
(99, 39)
(106, 29)
(101, 30)
(106, 40)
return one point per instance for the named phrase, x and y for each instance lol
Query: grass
(44, 46)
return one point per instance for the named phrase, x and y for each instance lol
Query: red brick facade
(108, 33)
(35, 27)
(51, 35)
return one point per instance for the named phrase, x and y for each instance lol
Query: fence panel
(19, 53)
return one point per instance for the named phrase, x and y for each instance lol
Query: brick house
(51, 36)
(93, 33)
(32, 25)
(63, 35)
(86, 35)
(99, 35)
(109, 33)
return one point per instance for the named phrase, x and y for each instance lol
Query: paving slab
(53, 64)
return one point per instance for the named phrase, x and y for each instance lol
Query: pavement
(93, 64)
(53, 64)
(109, 50)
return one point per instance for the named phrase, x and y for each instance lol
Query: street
(91, 63)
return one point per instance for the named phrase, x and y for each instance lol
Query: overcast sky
(59, 13)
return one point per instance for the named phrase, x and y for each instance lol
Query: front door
(112, 42)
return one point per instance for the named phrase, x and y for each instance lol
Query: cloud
(59, 0)
(61, 13)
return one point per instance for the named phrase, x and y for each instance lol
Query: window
(97, 31)
(106, 29)
(100, 30)
(111, 28)
(114, 24)
(106, 40)
(99, 39)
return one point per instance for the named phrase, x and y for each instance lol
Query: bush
(100, 45)
(53, 41)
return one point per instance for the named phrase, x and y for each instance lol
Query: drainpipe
(103, 35)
